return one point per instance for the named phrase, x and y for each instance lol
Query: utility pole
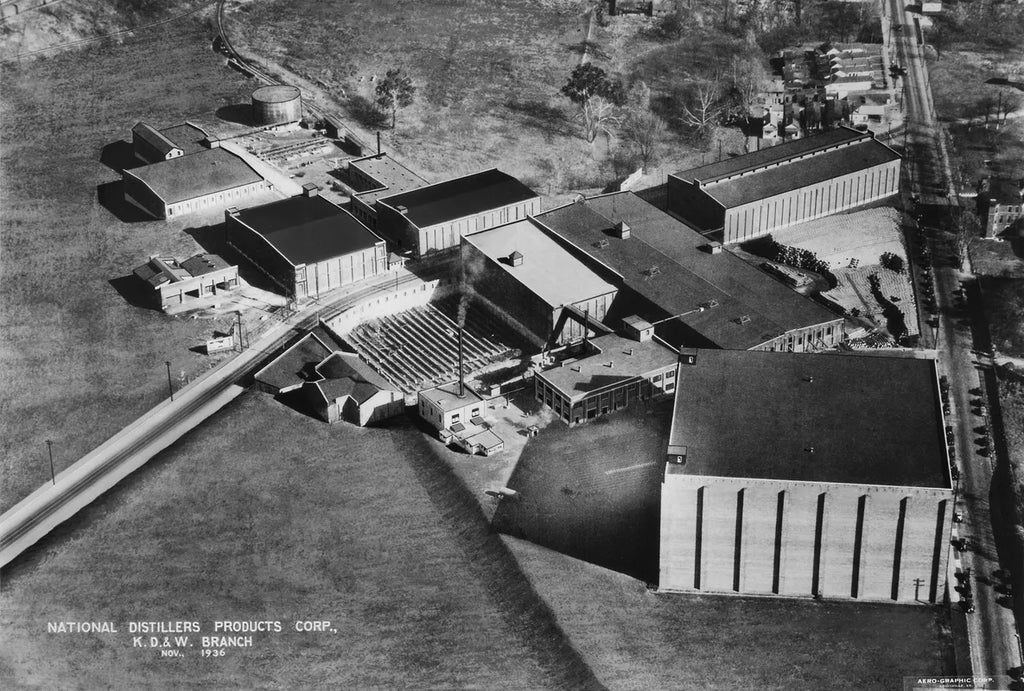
(170, 387)
(918, 582)
(241, 344)
(49, 447)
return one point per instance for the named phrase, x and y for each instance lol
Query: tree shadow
(544, 117)
(213, 239)
(111, 197)
(238, 113)
(134, 291)
(119, 156)
(366, 112)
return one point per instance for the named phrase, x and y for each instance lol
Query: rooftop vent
(622, 230)
(516, 258)
(601, 244)
(651, 272)
(745, 319)
(809, 380)
(708, 304)
(310, 190)
(402, 209)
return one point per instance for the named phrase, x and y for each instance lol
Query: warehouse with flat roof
(693, 292)
(528, 279)
(806, 474)
(749, 196)
(434, 217)
(306, 245)
(208, 180)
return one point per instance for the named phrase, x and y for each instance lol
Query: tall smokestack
(462, 385)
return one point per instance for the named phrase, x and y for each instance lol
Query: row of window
(212, 199)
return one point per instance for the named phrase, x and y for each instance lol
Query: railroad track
(234, 56)
(24, 524)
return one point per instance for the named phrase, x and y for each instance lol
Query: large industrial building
(802, 474)
(522, 274)
(306, 244)
(209, 180)
(693, 292)
(606, 374)
(752, 195)
(435, 217)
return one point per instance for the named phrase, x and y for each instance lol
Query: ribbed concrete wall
(799, 538)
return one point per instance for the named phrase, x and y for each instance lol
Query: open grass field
(265, 514)
(487, 74)
(636, 639)
(78, 361)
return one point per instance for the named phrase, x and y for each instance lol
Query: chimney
(462, 384)
(622, 230)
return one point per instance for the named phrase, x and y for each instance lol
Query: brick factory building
(802, 474)
(173, 283)
(306, 244)
(211, 179)
(374, 177)
(694, 292)
(522, 274)
(606, 374)
(435, 217)
(752, 195)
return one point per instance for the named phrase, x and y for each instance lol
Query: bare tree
(597, 96)
(641, 127)
(1009, 102)
(703, 105)
(748, 81)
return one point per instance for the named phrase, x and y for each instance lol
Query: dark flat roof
(187, 137)
(296, 365)
(687, 274)
(188, 177)
(800, 173)
(460, 197)
(308, 229)
(755, 414)
(204, 264)
(773, 154)
(153, 137)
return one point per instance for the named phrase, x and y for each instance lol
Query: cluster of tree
(989, 24)
(893, 262)
(604, 105)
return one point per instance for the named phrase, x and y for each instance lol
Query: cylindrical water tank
(275, 105)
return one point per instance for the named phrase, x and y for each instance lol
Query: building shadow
(238, 113)
(119, 156)
(213, 239)
(133, 291)
(111, 197)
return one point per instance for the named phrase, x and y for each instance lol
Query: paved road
(91, 476)
(991, 626)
